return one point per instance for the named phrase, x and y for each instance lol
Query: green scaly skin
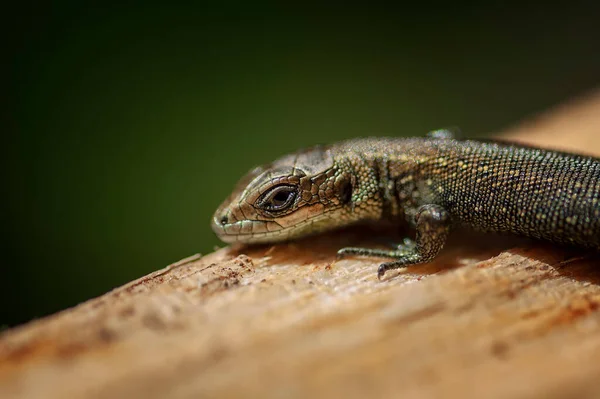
(434, 183)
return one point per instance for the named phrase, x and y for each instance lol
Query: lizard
(433, 183)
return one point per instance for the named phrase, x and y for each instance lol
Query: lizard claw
(381, 271)
(340, 254)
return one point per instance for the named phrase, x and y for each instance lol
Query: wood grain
(492, 317)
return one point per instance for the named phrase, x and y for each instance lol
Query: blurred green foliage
(128, 124)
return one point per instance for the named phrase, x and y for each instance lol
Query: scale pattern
(432, 183)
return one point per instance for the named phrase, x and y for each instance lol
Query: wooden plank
(492, 317)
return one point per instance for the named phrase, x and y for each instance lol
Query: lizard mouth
(261, 231)
(230, 232)
(249, 231)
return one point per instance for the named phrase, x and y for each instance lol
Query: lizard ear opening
(345, 190)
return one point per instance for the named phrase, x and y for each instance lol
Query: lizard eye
(278, 198)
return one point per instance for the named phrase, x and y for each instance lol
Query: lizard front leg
(432, 224)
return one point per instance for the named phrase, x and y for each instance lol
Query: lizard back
(493, 186)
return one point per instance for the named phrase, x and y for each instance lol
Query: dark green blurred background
(127, 125)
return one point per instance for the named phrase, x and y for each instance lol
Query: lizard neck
(387, 172)
(388, 194)
(374, 194)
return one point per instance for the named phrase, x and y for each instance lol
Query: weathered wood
(492, 317)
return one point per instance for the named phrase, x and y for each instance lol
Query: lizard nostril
(224, 219)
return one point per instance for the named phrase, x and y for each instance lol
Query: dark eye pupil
(277, 199)
(280, 198)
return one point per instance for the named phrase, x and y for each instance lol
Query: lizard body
(433, 183)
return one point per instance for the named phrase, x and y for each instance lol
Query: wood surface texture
(492, 317)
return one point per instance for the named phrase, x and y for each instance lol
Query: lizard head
(296, 195)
